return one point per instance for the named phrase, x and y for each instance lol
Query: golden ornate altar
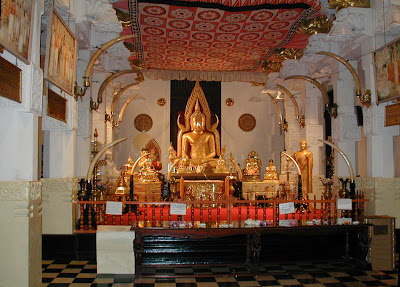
(251, 190)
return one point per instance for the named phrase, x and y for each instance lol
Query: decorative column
(59, 210)
(21, 233)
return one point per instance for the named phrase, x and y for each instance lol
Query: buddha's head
(197, 119)
(271, 162)
(303, 144)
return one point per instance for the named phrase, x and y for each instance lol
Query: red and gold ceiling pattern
(215, 35)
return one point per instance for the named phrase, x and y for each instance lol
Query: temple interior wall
(266, 138)
(68, 146)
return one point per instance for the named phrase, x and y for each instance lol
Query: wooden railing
(224, 213)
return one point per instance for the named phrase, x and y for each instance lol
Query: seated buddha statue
(198, 145)
(252, 167)
(221, 163)
(270, 172)
(147, 172)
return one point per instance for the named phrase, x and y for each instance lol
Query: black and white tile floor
(330, 273)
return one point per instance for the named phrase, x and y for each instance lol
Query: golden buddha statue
(304, 159)
(198, 139)
(221, 163)
(143, 161)
(199, 144)
(147, 172)
(252, 167)
(271, 172)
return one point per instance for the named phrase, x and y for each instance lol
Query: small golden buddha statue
(147, 172)
(143, 160)
(252, 167)
(271, 172)
(221, 164)
(198, 145)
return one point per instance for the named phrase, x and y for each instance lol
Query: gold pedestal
(148, 191)
(195, 190)
(268, 189)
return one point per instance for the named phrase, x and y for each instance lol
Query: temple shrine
(141, 134)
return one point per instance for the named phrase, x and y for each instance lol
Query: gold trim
(270, 67)
(316, 25)
(340, 4)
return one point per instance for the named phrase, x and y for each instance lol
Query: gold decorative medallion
(229, 102)
(161, 101)
(247, 122)
(143, 123)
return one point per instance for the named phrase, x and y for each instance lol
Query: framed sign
(60, 63)
(56, 106)
(387, 76)
(16, 18)
(392, 115)
(10, 81)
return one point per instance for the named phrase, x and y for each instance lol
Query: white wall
(239, 142)
(145, 103)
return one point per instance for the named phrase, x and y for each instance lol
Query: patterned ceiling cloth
(215, 35)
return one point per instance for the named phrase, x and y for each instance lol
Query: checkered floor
(332, 273)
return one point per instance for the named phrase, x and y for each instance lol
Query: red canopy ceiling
(215, 35)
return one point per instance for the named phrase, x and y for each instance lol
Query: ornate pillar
(21, 233)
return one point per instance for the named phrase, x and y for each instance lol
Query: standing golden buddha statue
(304, 159)
(199, 144)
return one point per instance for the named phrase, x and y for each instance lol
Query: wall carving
(388, 19)
(55, 186)
(352, 24)
(37, 90)
(20, 190)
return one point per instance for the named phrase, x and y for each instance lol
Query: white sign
(113, 228)
(178, 209)
(114, 207)
(285, 223)
(286, 208)
(344, 204)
